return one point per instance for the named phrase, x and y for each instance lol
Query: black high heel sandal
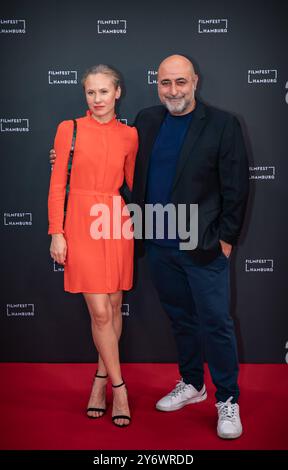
(99, 410)
(120, 416)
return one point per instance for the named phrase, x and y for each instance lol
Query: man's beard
(176, 106)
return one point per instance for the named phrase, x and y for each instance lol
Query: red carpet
(42, 407)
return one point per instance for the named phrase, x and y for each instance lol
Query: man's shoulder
(216, 114)
(151, 111)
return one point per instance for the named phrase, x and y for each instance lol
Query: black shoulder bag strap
(69, 169)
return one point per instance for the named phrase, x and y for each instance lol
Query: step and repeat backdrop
(239, 52)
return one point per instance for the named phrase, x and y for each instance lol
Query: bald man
(191, 153)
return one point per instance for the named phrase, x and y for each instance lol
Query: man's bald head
(177, 84)
(176, 62)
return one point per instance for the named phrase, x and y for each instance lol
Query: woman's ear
(118, 93)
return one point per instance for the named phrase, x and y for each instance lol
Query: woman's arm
(131, 158)
(58, 180)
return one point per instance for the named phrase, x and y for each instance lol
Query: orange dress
(104, 154)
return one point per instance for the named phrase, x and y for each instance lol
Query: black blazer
(212, 172)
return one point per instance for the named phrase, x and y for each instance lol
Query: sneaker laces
(180, 386)
(227, 410)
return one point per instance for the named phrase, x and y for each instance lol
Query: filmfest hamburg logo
(12, 26)
(57, 268)
(152, 77)
(212, 26)
(20, 310)
(112, 26)
(62, 77)
(258, 76)
(125, 310)
(262, 172)
(259, 265)
(17, 218)
(123, 120)
(14, 125)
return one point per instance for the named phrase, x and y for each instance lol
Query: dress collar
(110, 123)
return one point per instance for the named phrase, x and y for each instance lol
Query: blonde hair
(105, 69)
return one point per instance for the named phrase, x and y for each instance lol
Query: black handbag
(69, 168)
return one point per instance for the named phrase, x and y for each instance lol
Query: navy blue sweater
(163, 162)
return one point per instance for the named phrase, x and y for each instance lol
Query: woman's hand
(58, 248)
(52, 157)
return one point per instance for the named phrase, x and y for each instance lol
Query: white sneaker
(229, 424)
(182, 395)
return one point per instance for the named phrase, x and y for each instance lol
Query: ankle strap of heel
(100, 376)
(119, 385)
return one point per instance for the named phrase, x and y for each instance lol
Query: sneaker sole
(181, 405)
(230, 436)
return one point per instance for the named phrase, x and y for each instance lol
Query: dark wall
(243, 69)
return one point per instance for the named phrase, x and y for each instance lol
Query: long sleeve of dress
(131, 158)
(56, 198)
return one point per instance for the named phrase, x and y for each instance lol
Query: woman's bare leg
(120, 398)
(116, 302)
(106, 323)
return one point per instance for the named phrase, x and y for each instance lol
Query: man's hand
(58, 248)
(52, 156)
(226, 248)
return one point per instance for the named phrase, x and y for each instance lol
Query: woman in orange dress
(98, 260)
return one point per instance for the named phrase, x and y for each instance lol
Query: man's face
(176, 87)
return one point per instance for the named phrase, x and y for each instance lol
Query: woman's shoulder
(64, 129)
(68, 124)
(130, 131)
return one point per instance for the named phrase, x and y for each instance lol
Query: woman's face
(101, 95)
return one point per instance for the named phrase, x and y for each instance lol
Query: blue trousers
(196, 299)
